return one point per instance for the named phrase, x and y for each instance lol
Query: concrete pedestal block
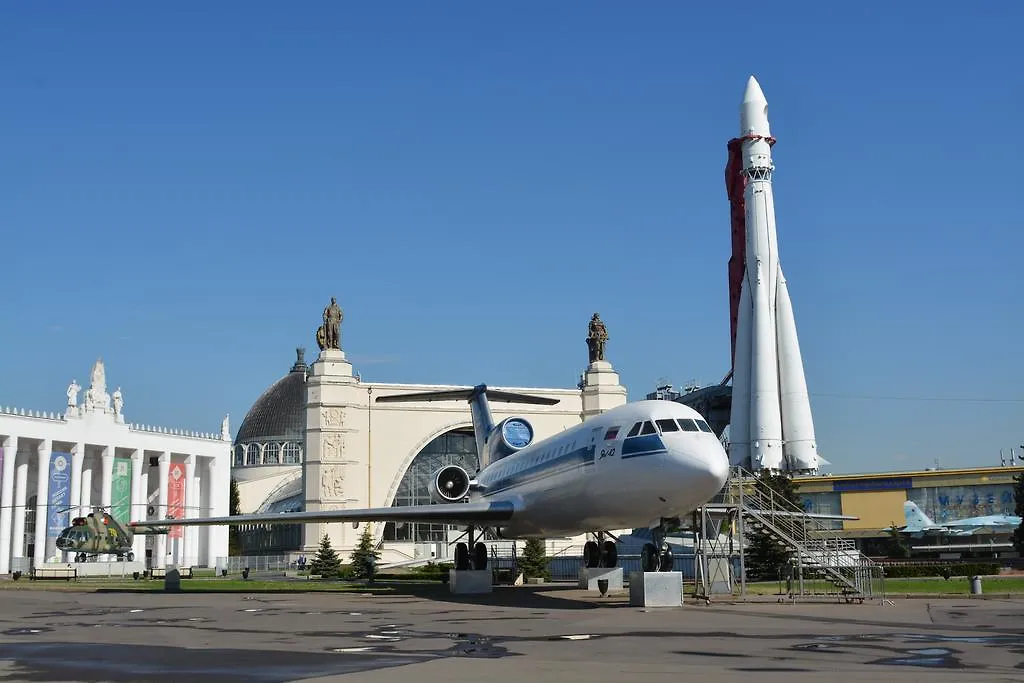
(589, 576)
(656, 589)
(470, 581)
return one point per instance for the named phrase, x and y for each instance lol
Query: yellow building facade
(877, 499)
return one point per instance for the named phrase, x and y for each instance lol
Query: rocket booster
(770, 425)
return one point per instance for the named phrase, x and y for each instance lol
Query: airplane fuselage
(626, 468)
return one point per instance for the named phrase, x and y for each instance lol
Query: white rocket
(770, 426)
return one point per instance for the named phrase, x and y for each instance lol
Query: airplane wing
(445, 513)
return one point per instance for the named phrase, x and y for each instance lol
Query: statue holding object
(328, 336)
(597, 336)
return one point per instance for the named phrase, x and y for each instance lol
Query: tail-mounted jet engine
(508, 436)
(449, 484)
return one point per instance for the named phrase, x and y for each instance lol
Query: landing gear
(464, 560)
(657, 556)
(600, 553)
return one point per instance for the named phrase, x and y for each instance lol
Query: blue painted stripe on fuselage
(648, 444)
(580, 457)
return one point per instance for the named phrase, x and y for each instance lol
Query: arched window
(270, 453)
(239, 455)
(253, 456)
(456, 447)
(291, 454)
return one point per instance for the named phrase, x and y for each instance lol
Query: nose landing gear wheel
(649, 559)
(667, 562)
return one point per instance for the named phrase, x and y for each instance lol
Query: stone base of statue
(601, 389)
(655, 589)
(470, 581)
(332, 362)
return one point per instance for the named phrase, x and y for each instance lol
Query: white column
(107, 483)
(137, 511)
(160, 553)
(144, 506)
(42, 500)
(7, 501)
(20, 486)
(107, 487)
(216, 536)
(77, 459)
(185, 551)
(85, 506)
(196, 495)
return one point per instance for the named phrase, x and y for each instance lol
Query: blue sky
(183, 189)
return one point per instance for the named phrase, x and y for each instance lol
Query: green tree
(533, 563)
(326, 562)
(1018, 494)
(765, 554)
(235, 508)
(365, 556)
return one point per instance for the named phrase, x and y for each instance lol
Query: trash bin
(602, 585)
(975, 585)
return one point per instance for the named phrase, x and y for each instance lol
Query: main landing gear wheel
(464, 561)
(649, 560)
(461, 557)
(131, 557)
(591, 555)
(611, 555)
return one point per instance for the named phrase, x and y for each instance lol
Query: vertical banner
(121, 490)
(176, 497)
(59, 496)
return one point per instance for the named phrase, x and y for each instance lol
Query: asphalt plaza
(529, 633)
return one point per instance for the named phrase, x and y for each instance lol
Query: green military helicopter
(98, 533)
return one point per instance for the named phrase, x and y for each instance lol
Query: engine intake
(508, 436)
(449, 484)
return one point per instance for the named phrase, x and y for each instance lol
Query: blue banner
(59, 496)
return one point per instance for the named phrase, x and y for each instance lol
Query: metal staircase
(819, 555)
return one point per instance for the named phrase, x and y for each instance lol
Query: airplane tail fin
(915, 518)
(478, 397)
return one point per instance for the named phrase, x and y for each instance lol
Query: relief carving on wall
(332, 447)
(332, 482)
(332, 418)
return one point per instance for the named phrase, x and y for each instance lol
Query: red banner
(176, 497)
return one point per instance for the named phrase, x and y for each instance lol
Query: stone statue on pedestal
(225, 433)
(73, 390)
(328, 336)
(597, 336)
(97, 397)
(118, 402)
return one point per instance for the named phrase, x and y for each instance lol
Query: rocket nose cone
(754, 111)
(753, 93)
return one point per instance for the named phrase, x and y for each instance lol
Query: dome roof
(279, 414)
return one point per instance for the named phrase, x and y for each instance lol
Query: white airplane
(643, 464)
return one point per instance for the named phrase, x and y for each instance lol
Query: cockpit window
(667, 425)
(705, 427)
(648, 428)
(635, 430)
(688, 425)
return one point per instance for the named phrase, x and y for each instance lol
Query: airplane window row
(685, 424)
(528, 463)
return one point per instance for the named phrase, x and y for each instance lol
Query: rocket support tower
(770, 426)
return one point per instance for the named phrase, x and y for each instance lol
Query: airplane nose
(712, 468)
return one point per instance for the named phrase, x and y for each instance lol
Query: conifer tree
(534, 561)
(235, 508)
(365, 556)
(326, 562)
